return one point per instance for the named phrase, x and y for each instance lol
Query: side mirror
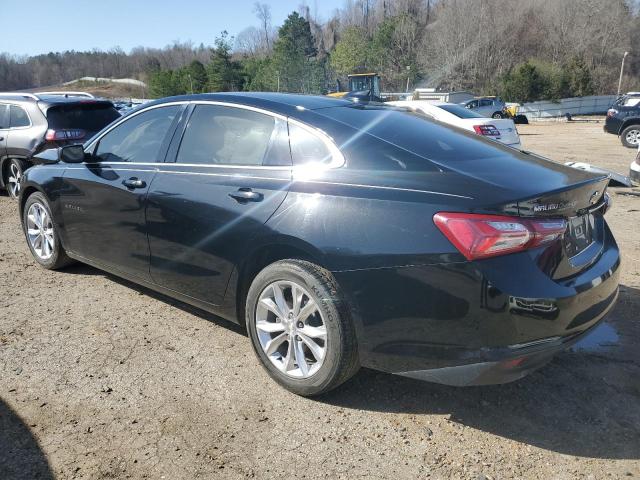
(71, 154)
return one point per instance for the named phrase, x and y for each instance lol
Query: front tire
(300, 327)
(630, 136)
(12, 176)
(497, 115)
(41, 233)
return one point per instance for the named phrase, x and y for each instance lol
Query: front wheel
(497, 115)
(42, 236)
(630, 136)
(300, 327)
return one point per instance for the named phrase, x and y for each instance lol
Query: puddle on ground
(602, 338)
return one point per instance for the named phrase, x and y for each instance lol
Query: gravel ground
(100, 378)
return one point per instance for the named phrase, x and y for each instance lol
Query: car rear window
(459, 111)
(416, 134)
(89, 117)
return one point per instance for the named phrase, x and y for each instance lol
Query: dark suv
(623, 119)
(30, 123)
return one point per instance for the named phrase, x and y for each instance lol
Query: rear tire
(307, 353)
(41, 233)
(630, 136)
(12, 175)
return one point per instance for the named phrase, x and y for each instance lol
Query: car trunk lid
(508, 134)
(583, 206)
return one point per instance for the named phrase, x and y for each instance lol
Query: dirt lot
(103, 379)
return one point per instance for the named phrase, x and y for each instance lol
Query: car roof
(282, 103)
(46, 101)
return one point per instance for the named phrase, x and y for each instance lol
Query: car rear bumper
(466, 323)
(510, 365)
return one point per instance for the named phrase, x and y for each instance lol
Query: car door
(485, 107)
(225, 175)
(103, 199)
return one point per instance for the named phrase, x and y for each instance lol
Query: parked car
(501, 129)
(492, 107)
(623, 119)
(342, 235)
(30, 123)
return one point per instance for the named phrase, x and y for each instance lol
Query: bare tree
(263, 12)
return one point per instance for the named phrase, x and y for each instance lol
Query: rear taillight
(480, 236)
(62, 135)
(487, 130)
(611, 112)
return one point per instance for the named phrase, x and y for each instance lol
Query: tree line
(523, 50)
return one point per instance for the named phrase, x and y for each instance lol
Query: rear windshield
(459, 111)
(415, 133)
(89, 117)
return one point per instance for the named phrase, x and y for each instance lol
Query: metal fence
(593, 105)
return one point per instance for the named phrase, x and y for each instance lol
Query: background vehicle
(362, 86)
(502, 130)
(623, 119)
(30, 123)
(341, 234)
(491, 107)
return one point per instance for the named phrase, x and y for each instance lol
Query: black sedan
(342, 234)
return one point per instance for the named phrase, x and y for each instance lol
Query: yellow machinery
(360, 82)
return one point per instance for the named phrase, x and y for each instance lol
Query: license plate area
(579, 234)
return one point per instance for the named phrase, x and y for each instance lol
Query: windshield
(459, 111)
(91, 117)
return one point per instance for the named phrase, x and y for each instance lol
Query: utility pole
(624, 57)
(278, 74)
(408, 75)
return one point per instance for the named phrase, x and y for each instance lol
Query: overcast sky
(36, 26)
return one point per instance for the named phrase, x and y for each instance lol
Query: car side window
(220, 135)
(139, 138)
(18, 117)
(4, 116)
(486, 103)
(307, 147)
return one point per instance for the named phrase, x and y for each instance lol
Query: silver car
(491, 107)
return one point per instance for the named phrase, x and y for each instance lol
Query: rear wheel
(300, 327)
(12, 177)
(42, 236)
(630, 136)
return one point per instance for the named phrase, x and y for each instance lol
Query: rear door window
(18, 117)
(139, 138)
(220, 135)
(91, 117)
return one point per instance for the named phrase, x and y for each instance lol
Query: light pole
(624, 57)
(408, 75)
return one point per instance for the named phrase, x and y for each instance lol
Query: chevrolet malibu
(342, 234)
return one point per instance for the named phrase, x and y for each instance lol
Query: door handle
(134, 183)
(244, 195)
